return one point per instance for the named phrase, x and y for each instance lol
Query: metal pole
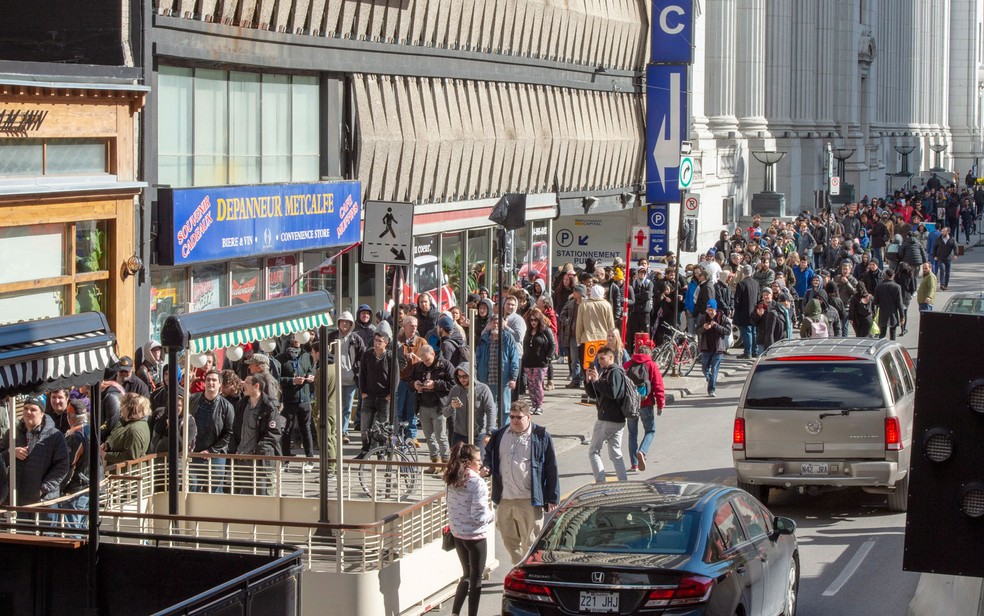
(679, 260)
(12, 451)
(395, 364)
(472, 314)
(172, 435)
(92, 549)
(337, 353)
(185, 445)
(503, 381)
(322, 396)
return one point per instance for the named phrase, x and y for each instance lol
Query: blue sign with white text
(666, 127)
(672, 31)
(659, 224)
(227, 222)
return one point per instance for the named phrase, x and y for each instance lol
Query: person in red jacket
(653, 400)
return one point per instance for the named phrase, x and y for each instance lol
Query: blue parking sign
(659, 225)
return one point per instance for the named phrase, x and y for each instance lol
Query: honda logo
(597, 577)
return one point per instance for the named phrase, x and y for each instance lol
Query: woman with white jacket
(471, 522)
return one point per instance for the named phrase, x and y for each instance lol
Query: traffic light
(945, 515)
(688, 235)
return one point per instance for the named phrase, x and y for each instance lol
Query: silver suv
(826, 413)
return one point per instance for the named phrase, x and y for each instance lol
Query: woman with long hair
(471, 522)
(538, 348)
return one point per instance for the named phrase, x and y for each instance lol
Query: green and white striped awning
(258, 332)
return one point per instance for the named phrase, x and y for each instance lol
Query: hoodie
(364, 330)
(485, 415)
(480, 321)
(540, 288)
(150, 371)
(450, 343)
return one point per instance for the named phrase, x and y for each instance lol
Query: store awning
(243, 323)
(57, 352)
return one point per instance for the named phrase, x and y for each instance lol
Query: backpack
(630, 402)
(460, 354)
(639, 375)
(818, 329)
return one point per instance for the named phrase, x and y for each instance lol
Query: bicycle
(680, 351)
(390, 446)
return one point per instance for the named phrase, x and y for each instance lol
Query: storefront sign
(226, 222)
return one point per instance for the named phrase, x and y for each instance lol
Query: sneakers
(641, 459)
(308, 467)
(346, 440)
(584, 400)
(573, 385)
(549, 386)
(712, 394)
(415, 443)
(634, 469)
(537, 411)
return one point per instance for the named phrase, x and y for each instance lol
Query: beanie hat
(712, 303)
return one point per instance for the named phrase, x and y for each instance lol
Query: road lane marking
(850, 569)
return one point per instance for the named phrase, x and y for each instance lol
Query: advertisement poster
(246, 284)
(280, 276)
(228, 222)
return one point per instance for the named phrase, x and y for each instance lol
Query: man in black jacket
(888, 304)
(746, 298)
(607, 387)
(642, 307)
(374, 385)
(944, 251)
(214, 418)
(42, 455)
(432, 378)
(296, 378)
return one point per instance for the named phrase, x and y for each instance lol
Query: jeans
(472, 554)
(879, 254)
(435, 428)
(76, 520)
(348, 394)
(610, 433)
(205, 472)
(406, 408)
(710, 363)
(375, 410)
(818, 263)
(844, 324)
(748, 340)
(925, 307)
(299, 416)
(574, 363)
(463, 438)
(648, 417)
(944, 273)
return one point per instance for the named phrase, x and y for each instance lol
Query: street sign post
(388, 233)
(835, 185)
(691, 206)
(686, 174)
(666, 128)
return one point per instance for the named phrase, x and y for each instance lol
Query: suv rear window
(825, 385)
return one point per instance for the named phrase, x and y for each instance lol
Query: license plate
(815, 468)
(599, 602)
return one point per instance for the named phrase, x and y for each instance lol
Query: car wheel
(898, 500)
(757, 490)
(792, 589)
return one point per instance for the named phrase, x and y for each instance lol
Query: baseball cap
(446, 323)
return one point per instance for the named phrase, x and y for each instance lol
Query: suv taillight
(516, 585)
(893, 434)
(738, 437)
(691, 590)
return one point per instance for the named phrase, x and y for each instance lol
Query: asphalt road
(850, 544)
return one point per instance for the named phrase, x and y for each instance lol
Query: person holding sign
(594, 321)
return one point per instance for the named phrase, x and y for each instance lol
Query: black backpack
(630, 401)
(639, 375)
(460, 355)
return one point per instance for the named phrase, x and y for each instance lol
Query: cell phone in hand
(456, 399)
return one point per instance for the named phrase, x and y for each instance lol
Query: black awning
(56, 352)
(222, 327)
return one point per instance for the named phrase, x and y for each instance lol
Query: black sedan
(658, 547)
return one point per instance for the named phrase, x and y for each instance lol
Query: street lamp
(842, 154)
(938, 148)
(905, 150)
(769, 159)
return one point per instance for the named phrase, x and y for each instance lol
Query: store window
(478, 258)
(38, 278)
(209, 287)
(280, 276)
(53, 157)
(168, 295)
(247, 282)
(232, 127)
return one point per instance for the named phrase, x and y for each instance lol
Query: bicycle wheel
(663, 356)
(688, 358)
(394, 480)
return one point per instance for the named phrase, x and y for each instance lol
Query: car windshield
(965, 305)
(833, 385)
(633, 529)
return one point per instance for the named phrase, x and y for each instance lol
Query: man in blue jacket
(487, 360)
(525, 484)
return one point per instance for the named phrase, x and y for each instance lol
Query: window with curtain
(220, 127)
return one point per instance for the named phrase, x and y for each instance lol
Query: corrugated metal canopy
(56, 352)
(222, 327)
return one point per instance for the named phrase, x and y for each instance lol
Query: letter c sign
(664, 23)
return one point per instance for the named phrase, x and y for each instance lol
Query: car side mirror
(782, 526)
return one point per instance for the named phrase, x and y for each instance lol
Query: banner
(228, 222)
